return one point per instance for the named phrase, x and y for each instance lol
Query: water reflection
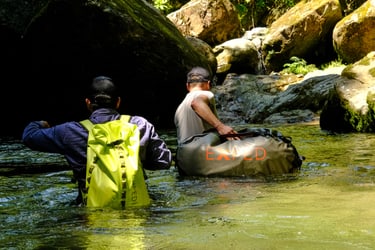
(330, 205)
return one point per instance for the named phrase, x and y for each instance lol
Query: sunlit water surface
(330, 204)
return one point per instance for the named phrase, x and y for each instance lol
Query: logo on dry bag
(258, 154)
(114, 173)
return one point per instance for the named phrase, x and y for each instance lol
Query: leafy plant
(336, 63)
(298, 66)
(250, 12)
(163, 5)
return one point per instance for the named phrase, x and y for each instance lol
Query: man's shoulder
(140, 121)
(201, 92)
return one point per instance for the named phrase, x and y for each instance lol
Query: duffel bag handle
(241, 134)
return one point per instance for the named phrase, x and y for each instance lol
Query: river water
(330, 204)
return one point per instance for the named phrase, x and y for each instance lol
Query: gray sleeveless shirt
(187, 122)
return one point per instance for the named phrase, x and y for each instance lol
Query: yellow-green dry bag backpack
(114, 173)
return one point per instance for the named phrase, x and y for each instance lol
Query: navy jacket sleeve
(154, 152)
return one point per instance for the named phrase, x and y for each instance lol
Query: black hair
(102, 93)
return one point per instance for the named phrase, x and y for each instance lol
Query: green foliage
(242, 10)
(332, 64)
(163, 5)
(249, 11)
(349, 6)
(298, 66)
(271, 4)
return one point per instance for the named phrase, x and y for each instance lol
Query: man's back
(187, 121)
(197, 112)
(70, 138)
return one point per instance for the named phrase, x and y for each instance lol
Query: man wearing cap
(197, 112)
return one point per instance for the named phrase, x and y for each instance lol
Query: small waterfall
(256, 35)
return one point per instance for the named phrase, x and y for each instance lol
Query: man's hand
(44, 124)
(223, 129)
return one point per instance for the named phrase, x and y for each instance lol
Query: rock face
(351, 103)
(237, 55)
(214, 21)
(53, 49)
(341, 98)
(313, 30)
(303, 31)
(354, 35)
(273, 99)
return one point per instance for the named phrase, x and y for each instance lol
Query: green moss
(361, 122)
(347, 72)
(365, 61)
(371, 105)
(372, 72)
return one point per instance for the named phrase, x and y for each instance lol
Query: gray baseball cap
(198, 74)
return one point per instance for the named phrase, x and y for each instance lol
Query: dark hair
(102, 93)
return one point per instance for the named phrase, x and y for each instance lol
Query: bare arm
(201, 106)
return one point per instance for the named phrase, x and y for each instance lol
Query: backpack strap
(125, 118)
(87, 124)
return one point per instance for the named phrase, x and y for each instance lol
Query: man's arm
(38, 135)
(201, 106)
(153, 151)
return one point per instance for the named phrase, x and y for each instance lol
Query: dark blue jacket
(70, 139)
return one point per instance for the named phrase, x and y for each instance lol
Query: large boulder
(52, 50)
(211, 21)
(351, 103)
(354, 35)
(304, 31)
(237, 56)
(273, 98)
(205, 49)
